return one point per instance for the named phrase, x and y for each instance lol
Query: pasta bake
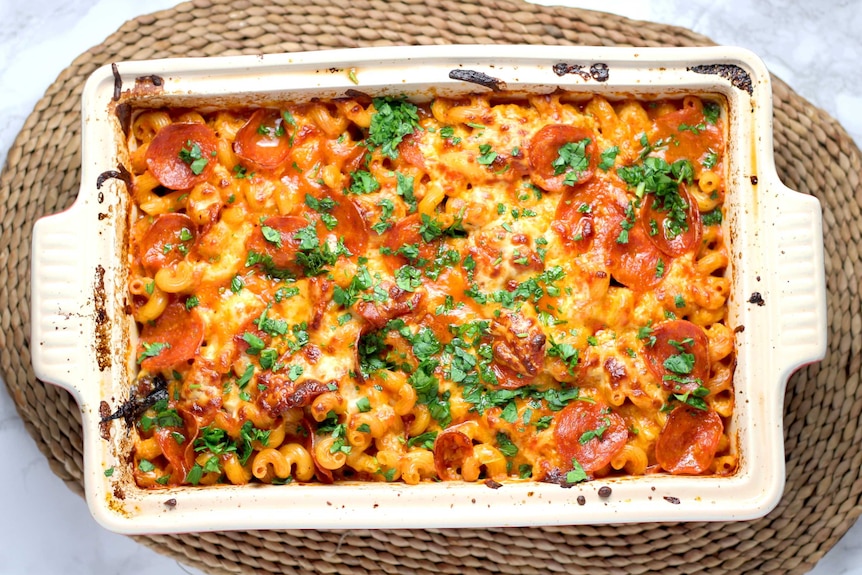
(488, 288)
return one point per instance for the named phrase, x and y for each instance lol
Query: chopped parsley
(387, 209)
(363, 183)
(711, 111)
(597, 433)
(608, 157)
(425, 440)
(393, 119)
(505, 445)
(404, 188)
(193, 157)
(321, 205)
(577, 474)
(408, 278)
(655, 176)
(294, 372)
(572, 160)
(487, 155)
(363, 404)
(566, 352)
(236, 284)
(152, 349)
(710, 160)
(712, 218)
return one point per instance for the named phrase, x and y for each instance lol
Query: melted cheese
(452, 285)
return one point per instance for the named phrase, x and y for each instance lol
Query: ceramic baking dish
(81, 334)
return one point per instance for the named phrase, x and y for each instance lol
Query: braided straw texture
(823, 404)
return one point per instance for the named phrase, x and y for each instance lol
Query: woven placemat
(823, 404)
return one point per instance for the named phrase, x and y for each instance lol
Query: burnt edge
(151, 85)
(118, 81)
(357, 94)
(479, 78)
(600, 72)
(757, 299)
(103, 322)
(104, 422)
(734, 74)
(124, 115)
(154, 79)
(121, 173)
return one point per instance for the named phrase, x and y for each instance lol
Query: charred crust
(103, 321)
(104, 425)
(737, 76)
(124, 115)
(493, 484)
(357, 95)
(121, 173)
(757, 299)
(479, 78)
(130, 410)
(118, 81)
(152, 79)
(562, 69)
(673, 500)
(600, 72)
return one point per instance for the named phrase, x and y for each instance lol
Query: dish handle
(60, 316)
(801, 301)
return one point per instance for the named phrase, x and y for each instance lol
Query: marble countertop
(38, 39)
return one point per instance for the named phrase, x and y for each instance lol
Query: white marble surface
(47, 529)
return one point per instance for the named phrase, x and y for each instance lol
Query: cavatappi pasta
(484, 288)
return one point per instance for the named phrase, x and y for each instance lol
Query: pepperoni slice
(181, 456)
(181, 155)
(165, 243)
(346, 155)
(655, 221)
(406, 232)
(545, 151)
(587, 215)
(689, 440)
(519, 350)
(264, 140)
(590, 433)
(409, 150)
(174, 338)
(679, 344)
(276, 238)
(451, 448)
(637, 264)
(693, 135)
(351, 226)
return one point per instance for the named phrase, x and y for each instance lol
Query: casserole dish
(81, 332)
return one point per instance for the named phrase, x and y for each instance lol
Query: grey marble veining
(814, 46)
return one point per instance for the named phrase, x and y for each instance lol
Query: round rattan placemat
(823, 405)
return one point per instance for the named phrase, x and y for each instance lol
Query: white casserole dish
(80, 332)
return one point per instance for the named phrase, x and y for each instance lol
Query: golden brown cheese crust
(470, 289)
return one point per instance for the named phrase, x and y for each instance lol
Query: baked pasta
(482, 288)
